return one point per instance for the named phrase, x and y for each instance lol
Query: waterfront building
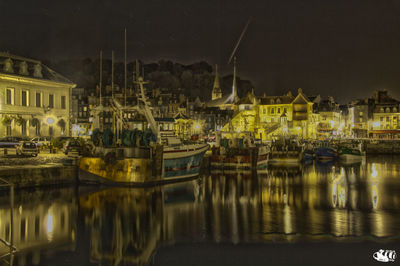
(385, 117)
(272, 116)
(360, 115)
(34, 99)
(80, 113)
(329, 118)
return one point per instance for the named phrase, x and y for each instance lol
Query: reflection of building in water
(379, 217)
(125, 224)
(281, 197)
(38, 226)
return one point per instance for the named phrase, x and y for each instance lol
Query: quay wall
(387, 147)
(39, 176)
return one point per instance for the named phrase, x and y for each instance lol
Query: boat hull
(350, 157)
(325, 153)
(285, 158)
(181, 166)
(244, 161)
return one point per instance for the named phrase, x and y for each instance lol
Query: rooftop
(25, 67)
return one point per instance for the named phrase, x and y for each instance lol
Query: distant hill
(195, 79)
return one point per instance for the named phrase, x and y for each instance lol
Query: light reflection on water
(121, 225)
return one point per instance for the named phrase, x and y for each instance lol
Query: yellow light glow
(49, 225)
(375, 196)
(374, 173)
(376, 124)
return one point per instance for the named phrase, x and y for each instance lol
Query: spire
(216, 91)
(216, 81)
(234, 86)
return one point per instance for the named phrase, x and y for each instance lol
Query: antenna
(238, 42)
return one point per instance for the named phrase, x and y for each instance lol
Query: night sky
(343, 48)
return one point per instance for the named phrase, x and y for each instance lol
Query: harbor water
(315, 214)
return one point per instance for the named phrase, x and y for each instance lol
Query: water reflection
(127, 226)
(41, 220)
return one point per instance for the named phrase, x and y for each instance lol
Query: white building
(34, 99)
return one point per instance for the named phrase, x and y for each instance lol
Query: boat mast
(101, 72)
(125, 68)
(112, 74)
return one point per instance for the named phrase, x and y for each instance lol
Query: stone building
(34, 99)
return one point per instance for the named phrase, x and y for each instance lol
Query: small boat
(325, 152)
(239, 154)
(350, 153)
(263, 156)
(286, 153)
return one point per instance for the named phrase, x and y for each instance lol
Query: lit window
(361, 113)
(51, 100)
(85, 108)
(63, 104)
(25, 98)
(10, 96)
(38, 99)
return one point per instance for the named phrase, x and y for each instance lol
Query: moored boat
(239, 154)
(286, 153)
(351, 154)
(142, 158)
(325, 152)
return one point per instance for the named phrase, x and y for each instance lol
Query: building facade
(34, 99)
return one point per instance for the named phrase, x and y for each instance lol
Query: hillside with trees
(195, 79)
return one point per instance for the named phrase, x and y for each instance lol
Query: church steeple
(234, 85)
(216, 91)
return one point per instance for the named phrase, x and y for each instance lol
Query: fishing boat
(286, 152)
(325, 152)
(143, 157)
(350, 153)
(309, 153)
(238, 154)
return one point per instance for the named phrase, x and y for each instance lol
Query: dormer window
(37, 71)
(23, 68)
(278, 101)
(272, 101)
(381, 110)
(387, 110)
(8, 66)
